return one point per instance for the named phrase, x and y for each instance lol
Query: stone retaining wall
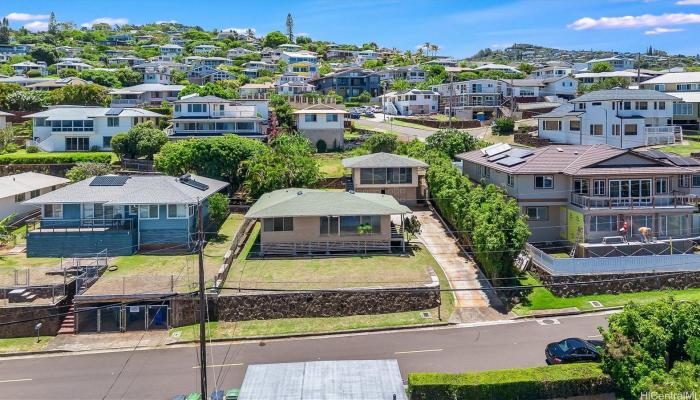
(529, 140)
(616, 283)
(48, 169)
(433, 123)
(47, 314)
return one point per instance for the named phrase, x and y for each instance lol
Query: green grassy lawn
(412, 125)
(543, 299)
(348, 135)
(143, 272)
(331, 163)
(286, 326)
(682, 149)
(23, 344)
(375, 129)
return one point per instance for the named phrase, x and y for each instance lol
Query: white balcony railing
(670, 134)
(125, 102)
(233, 114)
(657, 201)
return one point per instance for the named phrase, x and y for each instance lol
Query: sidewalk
(462, 273)
(108, 341)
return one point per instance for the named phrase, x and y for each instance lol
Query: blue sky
(459, 27)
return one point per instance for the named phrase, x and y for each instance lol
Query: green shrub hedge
(557, 381)
(54, 158)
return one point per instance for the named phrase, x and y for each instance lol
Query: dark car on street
(571, 350)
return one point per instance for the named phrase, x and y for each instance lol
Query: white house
(323, 125)
(366, 55)
(411, 73)
(22, 68)
(411, 102)
(197, 116)
(523, 89)
(256, 89)
(561, 86)
(238, 52)
(597, 77)
(684, 85)
(72, 64)
(552, 71)
(171, 50)
(498, 67)
(80, 128)
(14, 189)
(290, 77)
(150, 94)
(623, 118)
(125, 60)
(208, 61)
(294, 88)
(205, 49)
(3, 119)
(618, 63)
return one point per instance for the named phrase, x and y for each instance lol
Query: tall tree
(5, 31)
(53, 25)
(290, 28)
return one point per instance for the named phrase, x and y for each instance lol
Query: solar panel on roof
(682, 161)
(109, 180)
(114, 111)
(520, 153)
(187, 180)
(495, 149)
(655, 154)
(510, 161)
(498, 157)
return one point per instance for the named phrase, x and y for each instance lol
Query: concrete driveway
(474, 302)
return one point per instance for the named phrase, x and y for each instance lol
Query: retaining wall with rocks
(529, 140)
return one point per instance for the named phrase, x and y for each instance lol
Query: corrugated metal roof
(82, 112)
(675, 77)
(26, 182)
(294, 202)
(624, 94)
(382, 160)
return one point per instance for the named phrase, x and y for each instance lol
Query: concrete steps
(68, 324)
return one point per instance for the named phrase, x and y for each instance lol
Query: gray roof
(5, 114)
(83, 112)
(564, 110)
(624, 94)
(26, 182)
(149, 87)
(524, 82)
(138, 189)
(202, 99)
(324, 380)
(382, 160)
(295, 202)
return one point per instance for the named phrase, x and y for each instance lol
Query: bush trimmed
(55, 158)
(556, 381)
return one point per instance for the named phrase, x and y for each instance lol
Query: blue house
(120, 214)
(349, 83)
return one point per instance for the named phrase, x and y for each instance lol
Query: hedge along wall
(54, 158)
(557, 381)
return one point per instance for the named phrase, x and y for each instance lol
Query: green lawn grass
(682, 149)
(412, 125)
(23, 344)
(331, 163)
(543, 299)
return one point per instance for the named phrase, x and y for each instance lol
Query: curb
(567, 313)
(33, 353)
(311, 334)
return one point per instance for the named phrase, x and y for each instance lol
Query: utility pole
(202, 306)
(449, 116)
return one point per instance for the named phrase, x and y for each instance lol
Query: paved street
(160, 373)
(412, 133)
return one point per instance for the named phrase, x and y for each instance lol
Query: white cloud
(660, 31)
(37, 26)
(240, 31)
(25, 17)
(106, 20)
(170, 21)
(688, 2)
(639, 21)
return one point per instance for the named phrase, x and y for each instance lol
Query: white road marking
(219, 365)
(418, 351)
(16, 380)
(594, 336)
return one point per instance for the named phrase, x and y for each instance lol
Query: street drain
(595, 304)
(425, 314)
(548, 321)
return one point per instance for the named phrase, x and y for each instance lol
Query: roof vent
(559, 149)
(576, 152)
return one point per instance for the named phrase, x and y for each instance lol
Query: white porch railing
(125, 102)
(37, 142)
(657, 201)
(655, 135)
(233, 114)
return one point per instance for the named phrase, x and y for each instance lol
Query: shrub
(503, 126)
(84, 170)
(558, 381)
(32, 149)
(218, 207)
(381, 142)
(452, 142)
(54, 158)
(11, 148)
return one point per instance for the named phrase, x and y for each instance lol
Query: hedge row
(54, 158)
(557, 381)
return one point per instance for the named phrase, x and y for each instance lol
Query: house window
(331, 117)
(381, 176)
(597, 103)
(309, 117)
(486, 172)
(683, 181)
(285, 224)
(603, 223)
(20, 197)
(34, 193)
(595, 129)
(661, 186)
(696, 181)
(53, 211)
(660, 87)
(177, 211)
(616, 130)
(77, 144)
(150, 211)
(581, 106)
(662, 105)
(599, 187)
(511, 180)
(581, 186)
(641, 105)
(630, 129)
(537, 213)
(330, 226)
(544, 182)
(112, 121)
(627, 105)
(683, 109)
(355, 225)
(552, 125)
(177, 108)
(106, 141)
(575, 125)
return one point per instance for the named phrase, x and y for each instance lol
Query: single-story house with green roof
(385, 173)
(311, 221)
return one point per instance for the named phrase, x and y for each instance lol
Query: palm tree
(427, 46)
(6, 229)
(434, 48)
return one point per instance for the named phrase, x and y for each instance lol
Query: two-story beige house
(311, 221)
(586, 193)
(384, 173)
